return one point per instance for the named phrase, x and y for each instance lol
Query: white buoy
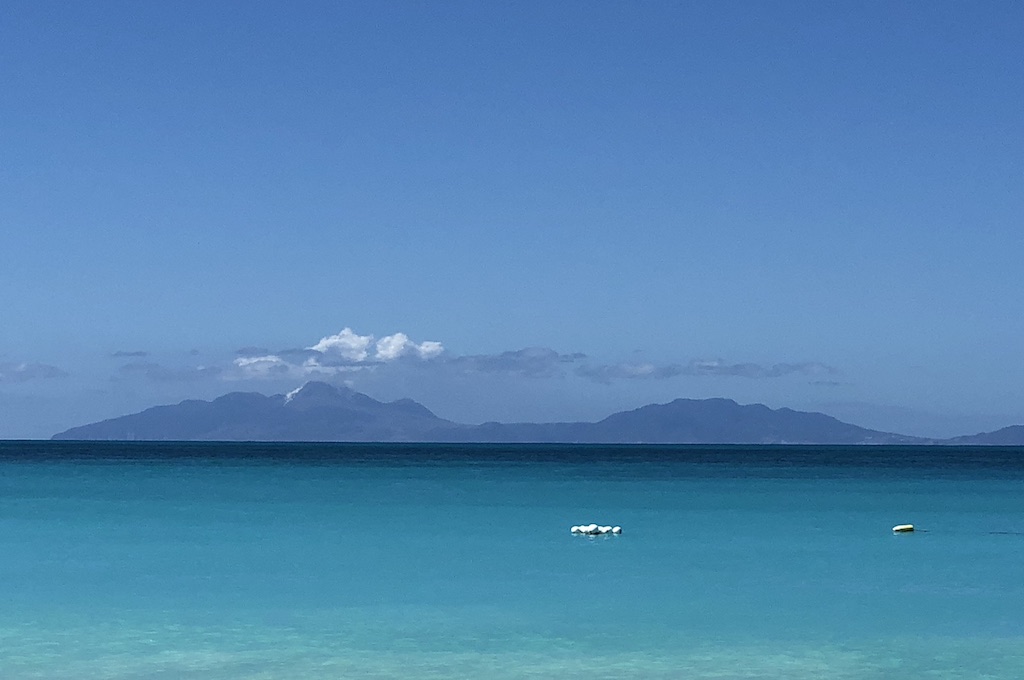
(903, 528)
(594, 529)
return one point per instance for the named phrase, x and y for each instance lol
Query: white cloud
(429, 349)
(346, 344)
(344, 352)
(399, 345)
(356, 348)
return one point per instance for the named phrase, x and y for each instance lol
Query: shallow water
(228, 561)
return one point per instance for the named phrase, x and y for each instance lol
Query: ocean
(266, 561)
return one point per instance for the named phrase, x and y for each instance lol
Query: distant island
(321, 412)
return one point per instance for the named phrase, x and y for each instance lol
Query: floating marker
(903, 528)
(594, 529)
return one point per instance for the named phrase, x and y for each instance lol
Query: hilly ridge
(321, 412)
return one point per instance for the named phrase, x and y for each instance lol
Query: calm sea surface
(229, 561)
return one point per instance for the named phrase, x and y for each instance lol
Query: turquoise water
(228, 561)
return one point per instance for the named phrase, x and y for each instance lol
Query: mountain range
(321, 412)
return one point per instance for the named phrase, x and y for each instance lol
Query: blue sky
(540, 211)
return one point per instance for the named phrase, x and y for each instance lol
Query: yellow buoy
(903, 528)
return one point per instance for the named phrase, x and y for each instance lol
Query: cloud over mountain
(343, 352)
(251, 351)
(747, 370)
(348, 353)
(346, 344)
(606, 373)
(159, 373)
(399, 345)
(533, 362)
